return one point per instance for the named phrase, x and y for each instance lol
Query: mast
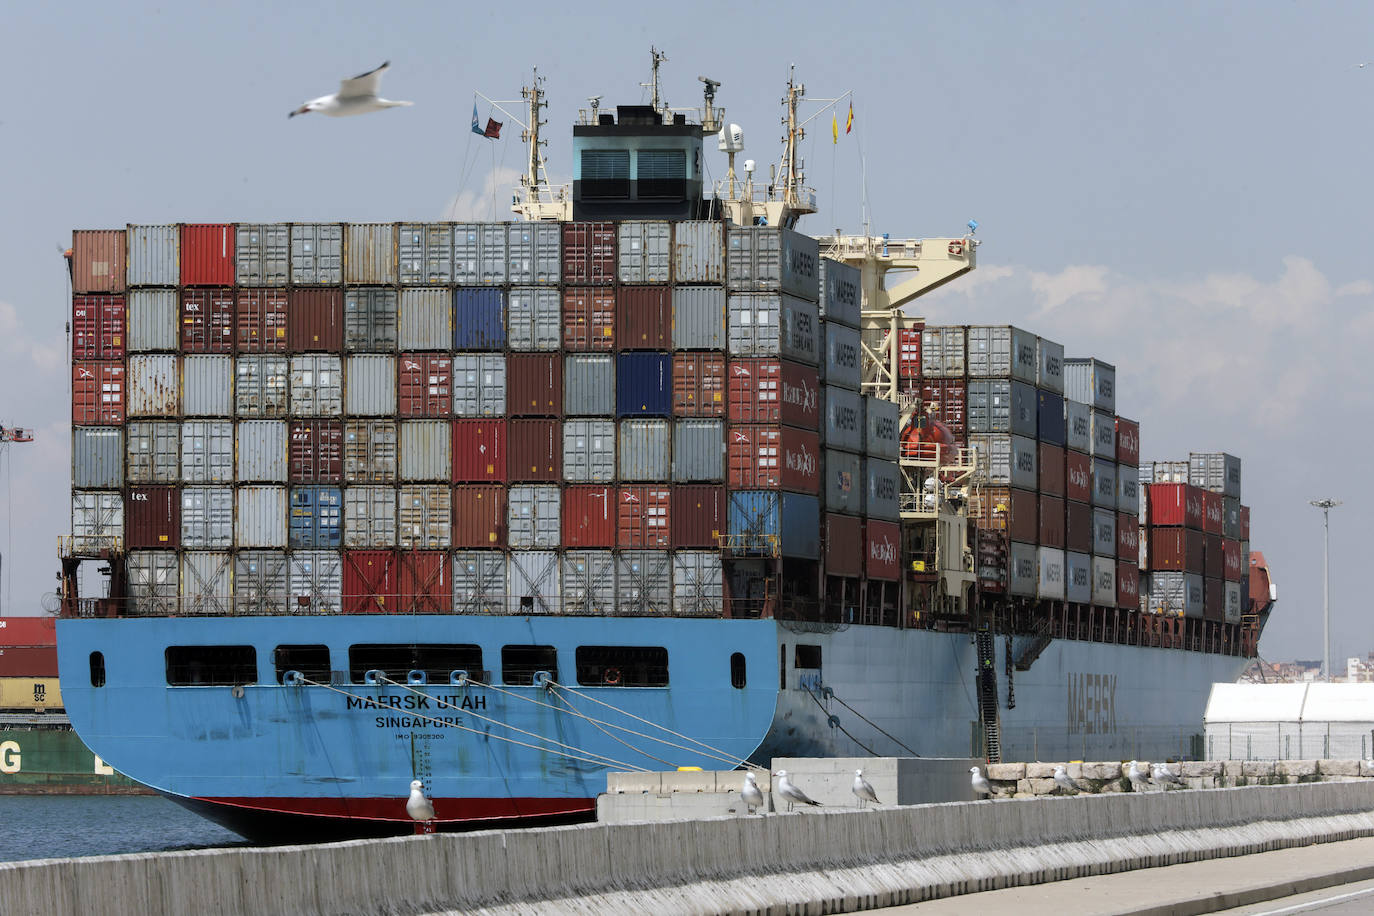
(539, 200)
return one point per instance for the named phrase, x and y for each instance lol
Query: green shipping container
(37, 761)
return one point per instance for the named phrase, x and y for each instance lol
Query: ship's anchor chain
(1011, 668)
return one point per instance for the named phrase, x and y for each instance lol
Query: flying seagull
(355, 96)
(1062, 780)
(1164, 776)
(862, 790)
(790, 792)
(417, 806)
(981, 786)
(750, 794)
(1139, 781)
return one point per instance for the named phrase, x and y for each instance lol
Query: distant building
(1289, 721)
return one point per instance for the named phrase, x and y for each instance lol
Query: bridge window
(661, 173)
(97, 669)
(208, 666)
(437, 661)
(807, 657)
(605, 173)
(311, 661)
(738, 674)
(519, 663)
(622, 666)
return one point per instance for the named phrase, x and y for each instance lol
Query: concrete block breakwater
(819, 861)
(1033, 779)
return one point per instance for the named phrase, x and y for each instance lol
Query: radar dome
(731, 138)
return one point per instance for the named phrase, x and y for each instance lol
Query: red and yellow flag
(834, 129)
(849, 122)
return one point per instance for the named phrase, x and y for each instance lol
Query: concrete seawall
(807, 862)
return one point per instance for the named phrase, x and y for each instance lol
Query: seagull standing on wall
(862, 790)
(355, 96)
(1139, 781)
(1164, 776)
(1062, 779)
(981, 786)
(419, 807)
(751, 795)
(790, 792)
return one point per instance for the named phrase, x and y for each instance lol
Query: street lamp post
(1326, 505)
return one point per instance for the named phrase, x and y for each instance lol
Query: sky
(1179, 189)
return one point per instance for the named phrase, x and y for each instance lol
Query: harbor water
(58, 826)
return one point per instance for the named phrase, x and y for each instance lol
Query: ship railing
(840, 247)
(83, 545)
(765, 545)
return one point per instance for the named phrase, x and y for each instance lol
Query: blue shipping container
(1051, 417)
(315, 517)
(760, 519)
(644, 385)
(479, 319)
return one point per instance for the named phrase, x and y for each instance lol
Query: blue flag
(476, 127)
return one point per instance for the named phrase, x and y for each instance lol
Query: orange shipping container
(98, 260)
(589, 318)
(97, 393)
(589, 516)
(479, 450)
(261, 321)
(479, 516)
(642, 517)
(207, 254)
(369, 582)
(424, 582)
(698, 385)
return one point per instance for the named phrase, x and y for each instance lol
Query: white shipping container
(479, 384)
(97, 516)
(369, 517)
(370, 451)
(643, 450)
(152, 317)
(698, 450)
(1050, 584)
(425, 319)
(1215, 471)
(942, 351)
(534, 582)
(534, 319)
(644, 251)
(207, 386)
(262, 254)
(534, 516)
(153, 387)
(588, 385)
(261, 517)
(207, 517)
(697, 588)
(260, 581)
(1104, 581)
(425, 449)
(369, 253)
(207, 451)
(479, 254)
(768, 324)
(97, 458)
(316, 386)
(315, 583)
(533, 252)
(152, 253)
(644, 583)
(154, 451)
(1091, 381)
(479, 582)
(424, 253)
(317, 254)
(424, 518)
(370, 386)
(766, 258)
(1078, 577)
(153, 578)
(207, 579)
(589, 582)
(588, 451)
(1001, 351)
(261, 385)
(261, 451)
(1176, 594)
(698, 252)
(698, 316)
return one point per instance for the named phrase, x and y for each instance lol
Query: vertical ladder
(987, 697)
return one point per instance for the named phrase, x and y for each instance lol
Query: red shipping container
(1213, 599)
(369, 582)
(1051, 521)
(589, 253)
(698, 385)
(479, 516)
(1232, 571)
(479, 450)
(97, 393)
(946, 400)
(1127, 585)
(1023, 515)
(882, 541)
(1213, 563)
(534, 383)
(28, 661)
(909, 353)
(1051, 469)
(1078, 476)
(315, 320)
(643, 318)
(207, 254)
(1245, 523)
(261, 321)
(315, 452)
(534, 450)
(424, 385)
(28, 631)
(589, 318)
(764, 457)
(97, 327)
(1213, 512)
(643, 518)
(207, 320)
(1127, 442)
(589, 516)
(698, 516)
(1174, 504)
(98, 260)
(1078, 526)
(1177, 549)
(844, 545)
(425, 582)
(1127, 535)
(773, 391)
(152, 518)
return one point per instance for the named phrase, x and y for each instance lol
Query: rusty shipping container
(98, 327)
(207, 254)
(260, 321)
(98, 260)
(589, 253)
(424, 584)
(534, 384)
(425, 385)
(643, 517)
(589, 317)
(97, 393)
(643, 318)
(479, 516)
(589, 516)
(369, 582)
(698, 252)
(697, 516)
(479, 450)
(534, 450)
(315, 452)
(699, 384)
(369, 253)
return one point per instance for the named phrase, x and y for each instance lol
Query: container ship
(645, 479)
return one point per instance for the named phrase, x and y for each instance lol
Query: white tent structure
(1290, 721)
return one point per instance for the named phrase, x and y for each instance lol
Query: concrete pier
(813, 861)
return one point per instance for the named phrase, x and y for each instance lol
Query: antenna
(595, 102)
(658, 58)
(708, 123)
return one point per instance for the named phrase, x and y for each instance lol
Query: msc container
(774, 391)
(534, 383)
(316, 254)
(315, 582)
(643, 450)
(1050, 574)
(881, 550)
(369, 253)
(152, 317)
(1127, 536)
(1127, 490)
(425, 319)
(260, 582)
(1127, 442)
(424, 517)
(644, 251)
(262, 254)
(643, 318)
(425, 451)
(207, 451)
(1104, 581)
(316, 517)
(1078, 426)
(844, 545)
(771, 523)
(1104, 483)
(698, 384)
(1050, 462)
(774, 456)
(942, 352)
(207, 517)
(843, 482)
(1104, 533)
(1078, 577)
(1174, 504)
(152, 253)
(207, 254)
(839, 360)
(98, 327)
(1176, 594)
(98, 458)
(698, 317)
(207, 582)
(370, 385)
(315, 451)
(98, 260)
(369, 319)
(479, 450)
(697, 584)
(1049, 371)
(534, 448)
(534, 318)
(589, 516)
(589, 450)
(316, 386)
(369, 582)
(946, 401)
(1104, 435)
(153, 386)
(1007, 460)
(880, 419)
(1177, 549)
(589, 317)
(1050, 423)
(479, 582)
(261, 386)
(261, 517)
(1023, 569)
(479, 516)
(589, 253)
(698, 252)
(479, 254)
(1002, 352)
(154, 452)
(883, 492)
(589, 582)
(369, 517)
(534, 582)
(843, 424)
(1091, 381)
(153, 583)
(532, 252)
(424, 253)
(1215, 471)
(697, 516)
(97, 515)
(644, 384)
(370, 451)
(207, 386)
(768, 324)
(260, 319)
(644, 583)
(479, 385)
(841, 293)
(767, 258)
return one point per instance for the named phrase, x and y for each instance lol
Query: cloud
(18, 345)
(491, 200)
